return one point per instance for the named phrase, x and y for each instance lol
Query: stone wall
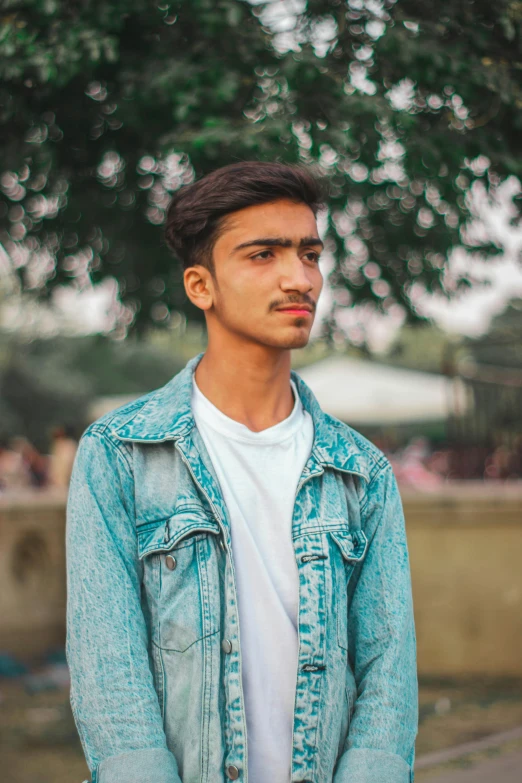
(466, 558)
(32, 573)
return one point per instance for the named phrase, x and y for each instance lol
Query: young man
(239, 592)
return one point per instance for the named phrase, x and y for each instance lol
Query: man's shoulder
(111, 421)
(375, 459)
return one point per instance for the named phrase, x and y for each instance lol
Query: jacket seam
(377, 526)
(364, 503)
(372, 452)
(334, 528)
(162, 520)
(102, 434)
(383, 466)
(379, 461)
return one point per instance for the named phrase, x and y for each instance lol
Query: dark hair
(196, 212)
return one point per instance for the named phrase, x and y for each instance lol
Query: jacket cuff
(154, 765)
(365, 765)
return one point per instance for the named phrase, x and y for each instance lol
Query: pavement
(506, 769)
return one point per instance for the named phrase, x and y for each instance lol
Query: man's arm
(114, 702)
(381, 738)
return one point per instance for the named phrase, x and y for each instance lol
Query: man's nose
(294, 276)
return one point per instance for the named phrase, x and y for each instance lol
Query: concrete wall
(466, 557)
(466, 560)
(32, 573)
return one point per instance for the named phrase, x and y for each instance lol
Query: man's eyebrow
(279, 242)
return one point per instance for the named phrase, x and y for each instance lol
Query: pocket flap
(353, 544)
(165, 534)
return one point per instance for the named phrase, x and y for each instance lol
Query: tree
(491, 367)
(54, 382)
(107, 108)
(500, 350)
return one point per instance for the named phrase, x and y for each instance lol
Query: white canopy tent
(359, 391)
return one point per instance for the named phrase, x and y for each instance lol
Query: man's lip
(299, 308)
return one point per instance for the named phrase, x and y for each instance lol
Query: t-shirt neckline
(223, 424)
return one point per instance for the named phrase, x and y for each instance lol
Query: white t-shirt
(258, 473)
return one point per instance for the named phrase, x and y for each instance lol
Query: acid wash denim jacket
(153, 639)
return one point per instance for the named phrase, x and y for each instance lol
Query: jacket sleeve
(113, 699)
(381, 738)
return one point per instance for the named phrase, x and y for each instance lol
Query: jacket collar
(167, 415)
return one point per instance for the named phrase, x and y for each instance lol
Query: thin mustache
(294, 301)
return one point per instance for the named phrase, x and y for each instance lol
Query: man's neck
(250, 385)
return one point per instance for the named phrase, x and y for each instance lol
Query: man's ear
(199, 286)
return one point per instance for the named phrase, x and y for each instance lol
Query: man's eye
(312, 256)
(263, 254)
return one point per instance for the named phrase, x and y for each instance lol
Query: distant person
(35, 464)
(411, 468)
(61, 457)
(14, 473)
(239, 597)
(498, 463)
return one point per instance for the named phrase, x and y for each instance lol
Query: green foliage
(50, 383)
(420, 347)
(501, 347)
(36, 396)
(492, 368)
(107, 108)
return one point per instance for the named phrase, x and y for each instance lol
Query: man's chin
(289, 342)
(299, 341)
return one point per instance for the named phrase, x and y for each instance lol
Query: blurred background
(413, 112)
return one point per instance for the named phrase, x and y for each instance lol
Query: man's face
(266, 275)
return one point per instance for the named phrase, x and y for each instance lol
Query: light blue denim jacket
(156, 695)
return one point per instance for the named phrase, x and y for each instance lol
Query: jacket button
(226, 646)
(170, 562)
(232, 772)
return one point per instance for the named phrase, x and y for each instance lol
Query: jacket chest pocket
(179, 557)
(350, 549)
